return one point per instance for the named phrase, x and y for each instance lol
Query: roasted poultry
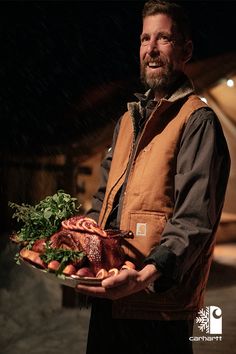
(96, 251)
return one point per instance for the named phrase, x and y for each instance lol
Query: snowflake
(203, 320)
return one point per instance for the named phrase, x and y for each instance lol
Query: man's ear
(187, 51)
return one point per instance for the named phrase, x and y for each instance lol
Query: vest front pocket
(147, 228)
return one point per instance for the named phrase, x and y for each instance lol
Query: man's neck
(159, 95)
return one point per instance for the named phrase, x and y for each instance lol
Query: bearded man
(164, 179)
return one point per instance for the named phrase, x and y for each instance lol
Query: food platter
(71, 281)
(59, 244)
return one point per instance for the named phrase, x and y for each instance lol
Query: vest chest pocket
(147, 228)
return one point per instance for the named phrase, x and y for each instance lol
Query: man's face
(161, 58)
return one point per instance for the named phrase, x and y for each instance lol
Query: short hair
(178, 15)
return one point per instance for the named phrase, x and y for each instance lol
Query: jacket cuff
(165, 261)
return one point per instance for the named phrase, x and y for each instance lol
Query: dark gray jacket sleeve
(105, 168)
(202, 172)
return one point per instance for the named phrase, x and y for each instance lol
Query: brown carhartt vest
(148, 202)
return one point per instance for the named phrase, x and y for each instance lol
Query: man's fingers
(97, 291)
(118, 280)
(112, 287)
(100, 292)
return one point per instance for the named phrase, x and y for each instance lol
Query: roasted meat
(102, 249)
(66, 239)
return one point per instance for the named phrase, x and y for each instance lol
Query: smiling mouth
(154, 65)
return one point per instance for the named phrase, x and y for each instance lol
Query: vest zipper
(136, 141)
(108, 196)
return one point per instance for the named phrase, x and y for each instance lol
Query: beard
(159, 82)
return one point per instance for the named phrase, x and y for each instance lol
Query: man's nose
(152, 46)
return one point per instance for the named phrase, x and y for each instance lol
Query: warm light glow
(230, 83)
(203, 99)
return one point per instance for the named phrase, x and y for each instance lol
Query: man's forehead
(158, 23)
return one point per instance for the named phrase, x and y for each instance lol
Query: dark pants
(122, 336)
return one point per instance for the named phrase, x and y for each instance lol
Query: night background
(58, 56)
(67, 70)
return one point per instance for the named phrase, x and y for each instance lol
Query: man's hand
(127, 282)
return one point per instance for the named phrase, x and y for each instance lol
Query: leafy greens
(43, 219)
(63, 256)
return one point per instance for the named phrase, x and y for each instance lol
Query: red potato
(54, 265)
(39, 245)
(84, 272)
(32, 257)
(69, 269)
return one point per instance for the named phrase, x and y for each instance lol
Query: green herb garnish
(61, 255)
(43, 219)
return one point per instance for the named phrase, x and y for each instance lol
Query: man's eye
(164, 39)
(144, 40)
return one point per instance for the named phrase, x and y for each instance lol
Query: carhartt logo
(141, 229)
(210, 320)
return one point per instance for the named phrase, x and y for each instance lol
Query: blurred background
(67, 71)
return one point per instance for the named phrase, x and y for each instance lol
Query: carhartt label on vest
(141, 229)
